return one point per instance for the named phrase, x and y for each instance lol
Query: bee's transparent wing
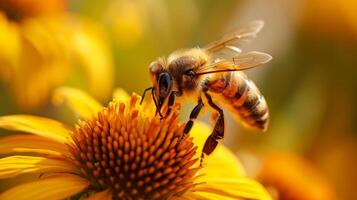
(251, 59)
(229, 44)
(237, 63)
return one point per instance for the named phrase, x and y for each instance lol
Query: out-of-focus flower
(167, 22)
(331, 18)
(290, 177)
(122, 151)
(42, 45)
(126, 19)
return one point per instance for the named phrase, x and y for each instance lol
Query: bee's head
(162, 82)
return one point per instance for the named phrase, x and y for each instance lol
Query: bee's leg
(218, 130)
(194, 113)
(171, 102)
(144, 93)
(155, 102)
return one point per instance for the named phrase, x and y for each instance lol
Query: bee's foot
(182, 137)
(202, 163)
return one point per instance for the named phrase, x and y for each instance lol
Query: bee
(213, 74)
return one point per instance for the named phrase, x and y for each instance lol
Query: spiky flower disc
(134, 155)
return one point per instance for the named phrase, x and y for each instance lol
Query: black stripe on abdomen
(241, 89)
(258, 114)
(253, 111)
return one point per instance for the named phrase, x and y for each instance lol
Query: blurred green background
(310, 85)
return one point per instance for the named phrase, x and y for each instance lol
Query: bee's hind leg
(218, 130)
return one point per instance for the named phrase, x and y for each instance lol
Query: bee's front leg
(218, 131)
(156, 103)
(171, 102)
(144, 93)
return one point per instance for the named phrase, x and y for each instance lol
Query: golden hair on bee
(197, 53)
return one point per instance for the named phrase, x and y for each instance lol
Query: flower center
(133, 154)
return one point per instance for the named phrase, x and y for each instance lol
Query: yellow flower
(336, 19)
(42, 45)
(126, 19)
(122, 151)
(290, 177)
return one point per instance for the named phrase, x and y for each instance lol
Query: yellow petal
(54, 188)
(36, 125)
(80, 102)
(10, 48)
(31, 143)
(91, 49)
(222, 162)
(209, 196)
(103, 195)
(15, 165)
(43, 65)
(121, 95)
(184, 197)
(232, 189)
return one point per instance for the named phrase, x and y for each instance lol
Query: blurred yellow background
(310, 85)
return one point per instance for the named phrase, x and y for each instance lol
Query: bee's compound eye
(155, 67)
(165, 84)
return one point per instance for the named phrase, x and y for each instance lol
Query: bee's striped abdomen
(242, 97)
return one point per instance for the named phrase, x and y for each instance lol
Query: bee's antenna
(144, 93)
